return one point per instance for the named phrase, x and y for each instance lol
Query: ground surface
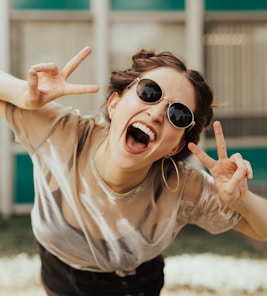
(186, 275)
(204, 274)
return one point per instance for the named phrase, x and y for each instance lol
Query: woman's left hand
(230, 174)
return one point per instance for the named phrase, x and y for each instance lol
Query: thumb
(32, 78)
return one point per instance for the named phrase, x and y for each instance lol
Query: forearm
(12, 89)
(254, 211)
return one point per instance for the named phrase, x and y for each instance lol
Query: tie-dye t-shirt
(116, 232)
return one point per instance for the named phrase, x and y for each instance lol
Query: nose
(157, 111)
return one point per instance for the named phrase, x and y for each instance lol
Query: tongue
(135, 146)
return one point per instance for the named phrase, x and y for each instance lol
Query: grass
(16, 237)
(193, 240)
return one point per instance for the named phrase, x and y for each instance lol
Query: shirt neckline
(108, 191)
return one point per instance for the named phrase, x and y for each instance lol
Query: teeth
(145, 129)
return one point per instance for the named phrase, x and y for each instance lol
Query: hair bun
(143, 54)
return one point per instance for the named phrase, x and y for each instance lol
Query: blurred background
(226, 40)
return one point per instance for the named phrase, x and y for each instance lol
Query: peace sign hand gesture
(230, 174)
(46, 83)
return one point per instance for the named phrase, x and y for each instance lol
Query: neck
(119, 179)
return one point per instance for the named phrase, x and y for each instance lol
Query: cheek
(173, 134)
(128, 107)
(122, 113)
(173, 138)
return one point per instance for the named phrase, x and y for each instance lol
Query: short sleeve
(201, 204)
(32, 127)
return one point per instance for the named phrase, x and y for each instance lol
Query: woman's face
(141, 133)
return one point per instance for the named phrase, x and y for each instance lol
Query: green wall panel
(147, 4)
(23, 191)
(235, 5)
(51, 4)
(141, 5)
(255, 155)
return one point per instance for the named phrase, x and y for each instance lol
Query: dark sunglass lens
(148, 91)
(180, 115)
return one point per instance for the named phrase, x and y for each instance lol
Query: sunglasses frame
(190, 125)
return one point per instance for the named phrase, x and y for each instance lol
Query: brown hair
(146, 60)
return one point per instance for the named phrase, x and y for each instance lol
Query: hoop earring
(108, 132)
(108, 135)
(163, 174)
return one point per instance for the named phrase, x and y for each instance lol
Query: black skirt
(60, 279)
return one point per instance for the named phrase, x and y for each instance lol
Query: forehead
(174, 84)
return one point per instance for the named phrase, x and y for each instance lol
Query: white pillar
(6, 157)
(194, 34)
(100, 10)
(194, 47)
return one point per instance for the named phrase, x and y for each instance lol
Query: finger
(243, 166)
(238, 180)
(202, 156)
(242, 172)
(75, 62)
(46, 67)
(250, 170)
(220, 141)
(72, 89)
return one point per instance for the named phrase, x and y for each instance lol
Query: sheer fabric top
(79, 219)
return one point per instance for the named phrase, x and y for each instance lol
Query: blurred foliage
(194, 240)
(16, 237)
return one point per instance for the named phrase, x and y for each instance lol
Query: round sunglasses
(179, 115)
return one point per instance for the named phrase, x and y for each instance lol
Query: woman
(112, 194)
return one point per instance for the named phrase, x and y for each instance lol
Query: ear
(112, 103)
(177, 149)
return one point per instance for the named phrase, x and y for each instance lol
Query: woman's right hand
(46, 83)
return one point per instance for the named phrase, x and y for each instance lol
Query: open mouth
(138, 137)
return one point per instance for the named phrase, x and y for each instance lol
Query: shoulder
(199, 178)
(197, 186)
